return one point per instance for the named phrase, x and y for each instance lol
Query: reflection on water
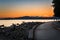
(9, 22)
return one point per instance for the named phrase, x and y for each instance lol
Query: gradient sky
(17, 8)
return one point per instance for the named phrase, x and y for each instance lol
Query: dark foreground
(17, 31)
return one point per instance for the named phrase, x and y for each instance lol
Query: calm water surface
(10, 22)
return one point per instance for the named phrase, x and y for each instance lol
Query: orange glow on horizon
(43, 12)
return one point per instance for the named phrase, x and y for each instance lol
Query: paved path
(48, 31)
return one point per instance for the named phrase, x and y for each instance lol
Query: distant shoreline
(29, 19)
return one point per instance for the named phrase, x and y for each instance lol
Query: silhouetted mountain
(30, 17)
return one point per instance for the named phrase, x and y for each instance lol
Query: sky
(19, 8)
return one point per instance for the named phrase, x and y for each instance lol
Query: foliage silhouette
(56, 7)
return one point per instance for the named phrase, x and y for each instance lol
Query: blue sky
(26, 6)
(8, 3)
(24, 1)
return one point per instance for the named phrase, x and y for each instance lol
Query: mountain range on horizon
(30, 17)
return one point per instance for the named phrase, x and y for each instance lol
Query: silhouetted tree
(56, 7)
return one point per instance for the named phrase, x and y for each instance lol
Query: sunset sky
(18, 8)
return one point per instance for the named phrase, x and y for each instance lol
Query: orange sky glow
(43, 12)
(25, 9)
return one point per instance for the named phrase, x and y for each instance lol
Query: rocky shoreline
(16, 31)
